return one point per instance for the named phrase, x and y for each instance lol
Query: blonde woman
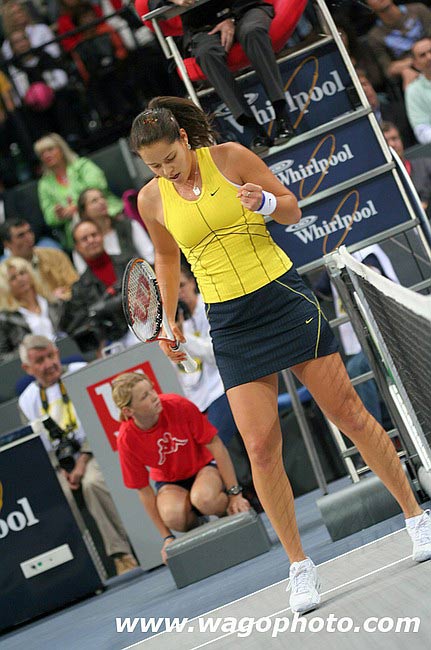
(24, 307)
(65, 176)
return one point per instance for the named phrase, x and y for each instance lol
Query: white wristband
(268, 205)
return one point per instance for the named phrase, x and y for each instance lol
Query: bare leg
(175, 508)
(254, 407)
(327, 380)
(207, 493)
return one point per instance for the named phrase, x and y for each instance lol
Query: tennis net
(399, 322)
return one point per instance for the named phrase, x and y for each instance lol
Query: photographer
(94, 315)
(65, 441)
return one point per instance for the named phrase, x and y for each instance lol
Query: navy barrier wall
(35, 518)
(318, 89)
(328, 159)
(348, 217)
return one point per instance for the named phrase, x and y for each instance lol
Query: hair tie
(150, 120)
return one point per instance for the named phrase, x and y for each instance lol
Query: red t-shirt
(174, 449)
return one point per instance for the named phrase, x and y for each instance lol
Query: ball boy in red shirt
(190, 465)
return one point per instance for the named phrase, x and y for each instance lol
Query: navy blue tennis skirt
(268, 330)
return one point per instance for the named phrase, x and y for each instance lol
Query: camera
(64, 443)
(105, 321)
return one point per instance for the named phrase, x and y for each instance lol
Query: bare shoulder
(228, 152)
(149, 200)
(149, 191)
(150, 208)
(240, 165)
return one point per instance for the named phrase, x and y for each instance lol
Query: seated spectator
(15, 16)
(24, 307)
(387, 110)
(65, 176)
(396, 31)
(187, 460)
(74, 462)
(105, 42)
(360, 54)
(121, 236)
(42, 87)
(94, 315)
(356, 12)
(146, 62)
(418, 94)
(65, 22)
(127, 23)
(14, 132)
(209, 33)
(102, 60)
(51, 266)
(419, 169)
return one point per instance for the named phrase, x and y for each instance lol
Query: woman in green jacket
(64, 177)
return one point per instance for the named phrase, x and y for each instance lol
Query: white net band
(415, 302)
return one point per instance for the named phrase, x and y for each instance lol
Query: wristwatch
(234, 490)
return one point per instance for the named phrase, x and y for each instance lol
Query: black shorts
(185, 483)
(268, 330)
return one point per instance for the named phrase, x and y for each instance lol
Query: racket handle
(189, 364)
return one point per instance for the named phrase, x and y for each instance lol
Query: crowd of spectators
(81, 69)
(50, 90)
(389, 44)
(57, 57)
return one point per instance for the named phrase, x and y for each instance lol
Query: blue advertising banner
(318, 89)
(35, 518)
(326, 160)
(346, 218)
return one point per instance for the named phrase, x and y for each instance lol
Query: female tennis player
(209, 201)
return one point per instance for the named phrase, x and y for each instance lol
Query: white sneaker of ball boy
(304, 582)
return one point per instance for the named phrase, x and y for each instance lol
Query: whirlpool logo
(287, 172)
(16, 520)
(308, 231)
(313, 91)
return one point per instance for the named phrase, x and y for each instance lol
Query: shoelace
(422, 529)
(302, 581)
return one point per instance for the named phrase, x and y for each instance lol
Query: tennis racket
(143, 308)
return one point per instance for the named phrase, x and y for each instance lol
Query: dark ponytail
(163, 119)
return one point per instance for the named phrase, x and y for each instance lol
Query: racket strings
(144, 305)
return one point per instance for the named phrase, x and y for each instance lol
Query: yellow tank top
(228, 247)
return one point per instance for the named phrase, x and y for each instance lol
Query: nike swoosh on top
(309, 320)
(215, 192)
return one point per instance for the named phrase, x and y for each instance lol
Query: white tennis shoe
(304, 585)
(419, 529)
